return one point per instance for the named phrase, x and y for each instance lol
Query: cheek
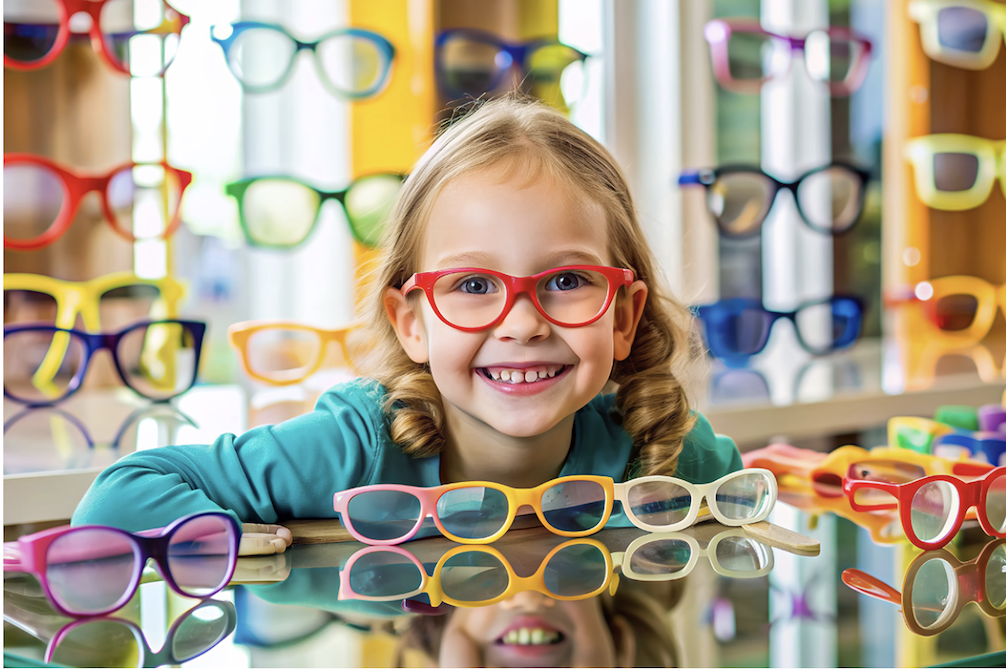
(457, 649)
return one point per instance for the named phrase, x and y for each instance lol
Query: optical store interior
(292, 377)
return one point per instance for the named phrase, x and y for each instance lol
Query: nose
(523, 323)
(527, 601)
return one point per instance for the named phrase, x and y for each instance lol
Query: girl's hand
(260, 539)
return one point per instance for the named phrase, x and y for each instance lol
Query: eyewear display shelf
(760, 588)
(780, 397)
(49, 462)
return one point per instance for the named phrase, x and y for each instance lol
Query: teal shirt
(293, 469)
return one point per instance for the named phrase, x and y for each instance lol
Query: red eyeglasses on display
(932, 508)
(133, 40)
(41, 197)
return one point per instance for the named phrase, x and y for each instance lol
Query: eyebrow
(478, 259)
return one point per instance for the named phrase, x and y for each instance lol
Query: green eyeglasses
(280, 212)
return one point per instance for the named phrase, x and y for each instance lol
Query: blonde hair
(529, 139)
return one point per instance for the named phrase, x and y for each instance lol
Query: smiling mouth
(530, 637)
(501, 374)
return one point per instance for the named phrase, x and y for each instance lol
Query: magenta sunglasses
(93, 570)
(745, 55)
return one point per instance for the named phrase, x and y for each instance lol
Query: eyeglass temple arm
(863, 583)
(703, 177)
(13, 561)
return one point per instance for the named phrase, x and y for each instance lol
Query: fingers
(262, 569)
(263, 539)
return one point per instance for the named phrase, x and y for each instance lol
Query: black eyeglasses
(829, 198)
(157, 359)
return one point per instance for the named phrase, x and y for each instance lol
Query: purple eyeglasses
(745, 55)
(93, 570)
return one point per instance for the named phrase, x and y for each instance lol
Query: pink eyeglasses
(473, 299)
(745, 56)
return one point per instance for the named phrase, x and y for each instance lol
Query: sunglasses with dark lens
(738, 328)
(829, 198)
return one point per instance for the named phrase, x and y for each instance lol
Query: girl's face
(569, 634)
(519, 227)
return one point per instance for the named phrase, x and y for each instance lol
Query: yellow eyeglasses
(962, 308)
(962, 33)
(22, 304)
(287, 353)
(955, 171)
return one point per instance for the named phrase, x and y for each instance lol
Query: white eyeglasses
(663, 556)
(668, 504)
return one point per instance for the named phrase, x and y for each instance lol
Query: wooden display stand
(920, 243)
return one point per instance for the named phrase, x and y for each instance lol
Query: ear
(628, 311)
(625, 641)
(408, 326)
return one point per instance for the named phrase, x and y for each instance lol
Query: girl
(515, 286)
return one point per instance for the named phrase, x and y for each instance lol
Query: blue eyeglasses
(473, 62)
(351, 62)
(738, 328)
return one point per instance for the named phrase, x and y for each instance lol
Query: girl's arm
(268, 474)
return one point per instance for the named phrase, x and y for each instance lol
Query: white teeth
(525, 375)
(528, 636)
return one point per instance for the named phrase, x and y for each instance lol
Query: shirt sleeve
(266, 475)
(706, 455)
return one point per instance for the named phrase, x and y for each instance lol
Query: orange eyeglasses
(41, 198)
(287, 353)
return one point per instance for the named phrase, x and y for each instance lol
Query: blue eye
(476, 284)
(565, 281)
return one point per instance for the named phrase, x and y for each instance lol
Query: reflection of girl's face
(555, 634)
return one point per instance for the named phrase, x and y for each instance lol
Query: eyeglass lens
(351, 64)
(90, 570)
(199, 555)
(76, 648)
(477, 299)
(934, 590)
(962, 29)
(286, 352)
(828, 199)
(742, 554)
(31, 30)
(383, 515)
(660, 557)
(665, 503)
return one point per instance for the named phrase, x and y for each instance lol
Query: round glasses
(280, 212)
(352, 63)
(829, 198)
(472, 299)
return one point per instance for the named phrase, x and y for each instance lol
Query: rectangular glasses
(962, 33)
(955, 171)
(472, 299)
(93, 570)
(932, 508)
(286, 353)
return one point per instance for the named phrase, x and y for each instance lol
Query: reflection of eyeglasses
(962, 33)
(745, 55)
(665, 556)
(473, 299)
(36, 33)
(156, 359)
(93, 570)
(47, 438)
(351, 62)
(473, 62)
(285, 353)
(41, 199)
(828, 198)
(570, 506)
(744, 386)
(954, 171)
(937, 586)
(467, 576)
(280, 212)
(932, 508)
(122, 643)
(739, 328)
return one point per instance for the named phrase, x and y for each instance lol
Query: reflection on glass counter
(937, 586)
